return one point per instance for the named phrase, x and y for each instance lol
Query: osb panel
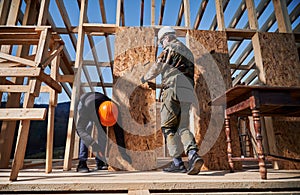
(212, 78)
(282, 68)
(134, 47)
(280, 59)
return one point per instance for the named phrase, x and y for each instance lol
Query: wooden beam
(13, 12)
(14, 88)
(220, 15)
(103, 28)
(200, 13)
(252, 14)
(23, 113)
(65, 78)
(118, 12)
(213, 25)
(102, 9)
(187, 13)
(50, 81)
(142, 13)
(20, 72)
(238, 14)
(153, 12)
(17, 59)
(4, 9)
(180, 14)
(43, 13)
(161, 13)
(76, 89)
(282, 16)
(237, 34)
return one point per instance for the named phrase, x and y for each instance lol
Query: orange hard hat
(108, 112)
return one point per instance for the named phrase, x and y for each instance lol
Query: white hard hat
(164, 31)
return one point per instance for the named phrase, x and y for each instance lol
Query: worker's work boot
(175, 169)
(195, 164)
(101, 166)
(82, 167)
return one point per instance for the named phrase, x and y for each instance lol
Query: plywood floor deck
(155, 182)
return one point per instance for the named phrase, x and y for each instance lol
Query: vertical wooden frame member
(220, 15)
(253, 23)
(51, 111)
(282, 16)
(75, 89)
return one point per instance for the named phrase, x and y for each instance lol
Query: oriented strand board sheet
(134, 47)
(282, 68)
(212, 78)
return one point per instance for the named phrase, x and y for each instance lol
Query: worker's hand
(151, 85)
(96, 148)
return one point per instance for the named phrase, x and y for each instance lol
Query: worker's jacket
(176, 65)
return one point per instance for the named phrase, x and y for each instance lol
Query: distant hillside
(37, 139)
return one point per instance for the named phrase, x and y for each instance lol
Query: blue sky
(132, 18)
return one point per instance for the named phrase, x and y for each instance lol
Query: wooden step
(23, 113)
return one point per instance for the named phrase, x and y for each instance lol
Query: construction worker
(176, 66)
(88, 114)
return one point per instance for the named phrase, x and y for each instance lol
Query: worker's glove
(96, 148)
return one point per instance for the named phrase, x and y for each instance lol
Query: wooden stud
(43, 13)
(187, 15)
(142, 13)
(118, 13)
(252, 14)
(4, 9)
(75, 90)
(200, 14)
(161, 13)
(282, 16)
(180, 14)
(153, 12)
(220, 15)
(52, 104)
(213, 25)
(238, 14)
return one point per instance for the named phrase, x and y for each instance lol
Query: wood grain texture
(134, 47)
(212, 78)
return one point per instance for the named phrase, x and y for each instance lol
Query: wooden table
(257, 101)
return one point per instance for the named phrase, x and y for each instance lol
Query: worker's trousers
(175, 124)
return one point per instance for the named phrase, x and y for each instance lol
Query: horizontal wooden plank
(105, 28)
(237, 34)
(14, 29)
(19, 42)
(17, 59)
(23, 113)
(20, 72)
(14, 88)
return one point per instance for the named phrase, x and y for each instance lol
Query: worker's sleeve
(81, 125)
(156, 68)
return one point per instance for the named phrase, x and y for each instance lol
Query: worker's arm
(156, 68)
